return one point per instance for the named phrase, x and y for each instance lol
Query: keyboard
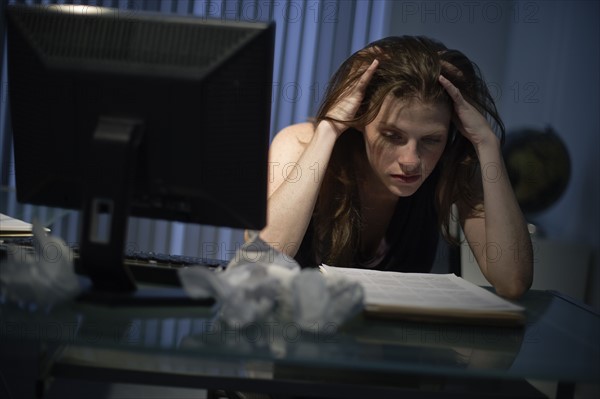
(150, 267)
(146, 267)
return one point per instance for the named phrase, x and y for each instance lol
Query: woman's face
(405, 142)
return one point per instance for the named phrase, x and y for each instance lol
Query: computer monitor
(142, 114)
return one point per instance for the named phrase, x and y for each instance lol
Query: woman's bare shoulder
(298, 133)
(291, 141)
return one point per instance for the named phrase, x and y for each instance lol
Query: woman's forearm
(508, 260)
(291, 205)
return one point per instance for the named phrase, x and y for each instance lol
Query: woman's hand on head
(469, 121)
(345, 109)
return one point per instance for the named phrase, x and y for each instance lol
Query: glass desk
(187, 346)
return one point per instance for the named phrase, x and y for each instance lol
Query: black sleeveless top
(410, 241)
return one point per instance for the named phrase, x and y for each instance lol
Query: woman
(406, 130)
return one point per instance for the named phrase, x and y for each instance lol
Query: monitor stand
(107, 194)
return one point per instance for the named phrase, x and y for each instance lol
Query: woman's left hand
(467, 118)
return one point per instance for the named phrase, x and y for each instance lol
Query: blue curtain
(312, 38)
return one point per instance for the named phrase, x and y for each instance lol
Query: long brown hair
(409, 67)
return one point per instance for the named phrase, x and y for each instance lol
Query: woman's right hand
(346, 107)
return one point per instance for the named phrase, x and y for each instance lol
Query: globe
(539, 167)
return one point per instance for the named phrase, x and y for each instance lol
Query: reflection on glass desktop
(148, 115)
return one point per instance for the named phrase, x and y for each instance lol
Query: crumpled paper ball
(42, 275)
(261, 283)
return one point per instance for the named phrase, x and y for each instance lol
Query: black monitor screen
(146, 115)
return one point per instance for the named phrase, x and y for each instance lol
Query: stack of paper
(11, 227)
(430, 297)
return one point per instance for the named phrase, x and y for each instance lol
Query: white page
(423, 290)
(8, 223)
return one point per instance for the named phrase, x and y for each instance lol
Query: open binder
(443, 298)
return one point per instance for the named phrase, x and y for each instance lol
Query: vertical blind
(312, 38)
